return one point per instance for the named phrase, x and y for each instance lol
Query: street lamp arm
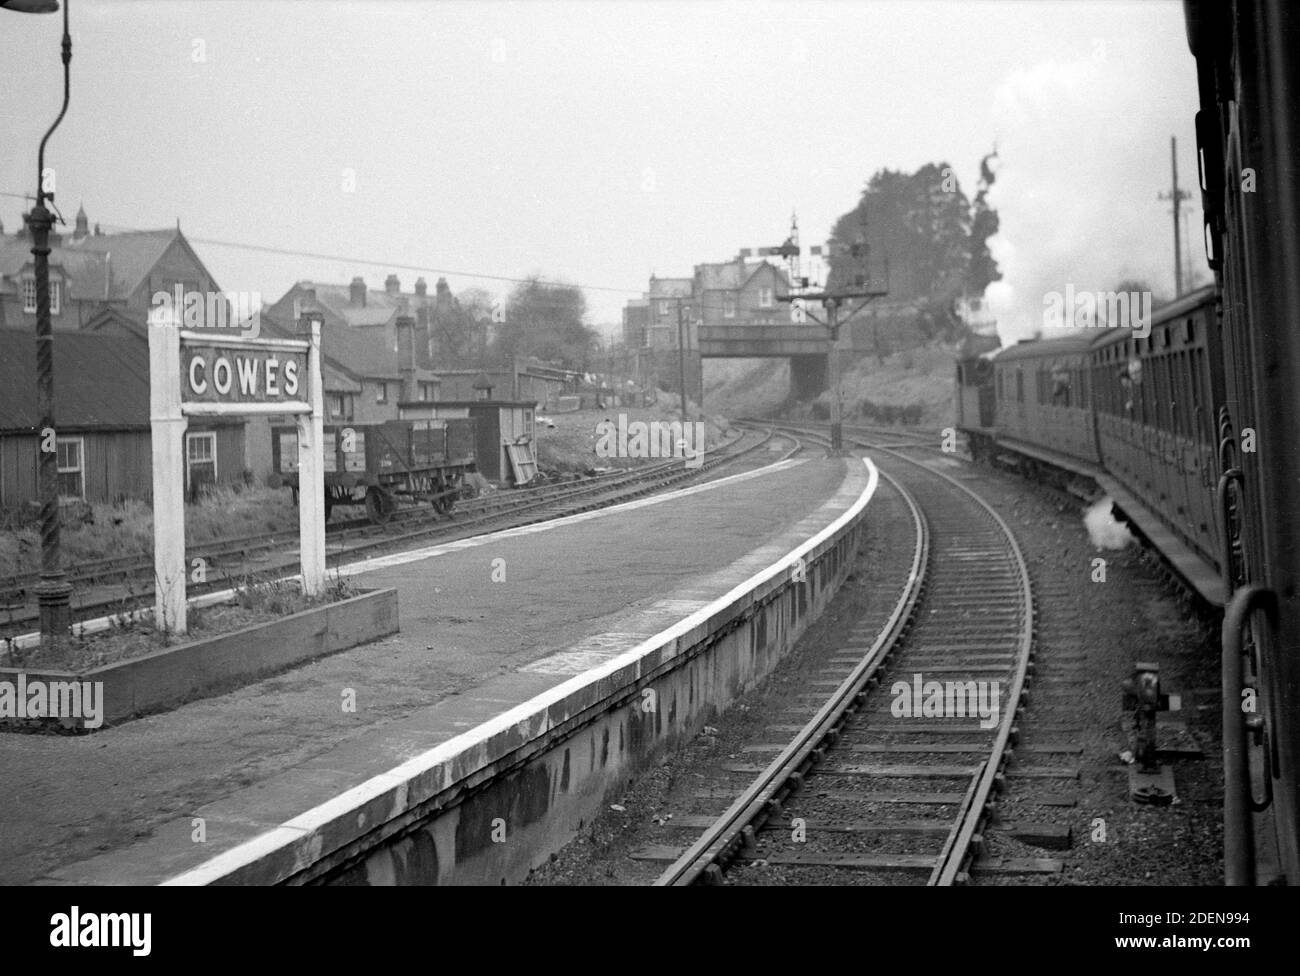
(67, 91)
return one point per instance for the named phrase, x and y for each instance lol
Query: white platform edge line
(97, 624)
(251, 850)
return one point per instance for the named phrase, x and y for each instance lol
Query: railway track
(121, 585)
(841, 792)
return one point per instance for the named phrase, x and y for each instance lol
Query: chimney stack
(421, 287)
(406, 356)
(391, 285)
(357, 292)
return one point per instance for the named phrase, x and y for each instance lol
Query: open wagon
(377, 464)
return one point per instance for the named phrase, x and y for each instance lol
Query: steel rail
(736, 828)
(762, 798)
(645, 480)
(951, 866)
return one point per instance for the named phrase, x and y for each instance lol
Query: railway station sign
(219, 373)
(199, 374)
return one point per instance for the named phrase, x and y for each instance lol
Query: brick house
(92, 271)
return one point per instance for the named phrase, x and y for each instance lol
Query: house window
(29, 296)
(765, 298)
(663, 308)
(340, 406)
(200, 459)
(428, 391)
(72, 475)
(729, 306)
(381, 393)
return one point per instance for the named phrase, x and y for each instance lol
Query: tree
(919, 235)
(545, 320)
(450, 329)
(478, 306)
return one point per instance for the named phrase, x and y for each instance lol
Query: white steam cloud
(1084, 153)
(1103, 529)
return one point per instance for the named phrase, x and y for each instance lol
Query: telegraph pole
(1177, 196)
(681, 360)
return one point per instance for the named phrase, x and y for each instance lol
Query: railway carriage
(1036, 393)
(1153, 409)
(377, 464)
(1198, 421)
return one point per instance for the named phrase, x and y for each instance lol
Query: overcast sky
(602, 142)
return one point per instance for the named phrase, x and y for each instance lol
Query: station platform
(486, 624)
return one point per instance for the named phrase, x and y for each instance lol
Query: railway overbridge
(805, 345)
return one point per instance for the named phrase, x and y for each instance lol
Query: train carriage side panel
(1042, 395)
(1150, 419)
(1248, 68)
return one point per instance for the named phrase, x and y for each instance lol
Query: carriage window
(1160, 390)
(1178, 366)
(1020, 386)
(1060, 386)
(1140, 397)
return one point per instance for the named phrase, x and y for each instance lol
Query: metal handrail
(1238, 798)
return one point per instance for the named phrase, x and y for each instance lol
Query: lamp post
(53, 592)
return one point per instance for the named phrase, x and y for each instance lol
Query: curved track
(965, 620)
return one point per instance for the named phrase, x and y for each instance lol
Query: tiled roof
(103, 267)
(670, 288)
(99, 380)
(132, 254)
(365, 351)
(380, 307)
(84, 273)
(715, 277)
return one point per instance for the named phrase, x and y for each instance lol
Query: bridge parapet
(758, 341)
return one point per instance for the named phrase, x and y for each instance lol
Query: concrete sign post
(207, 374)
(311, 473)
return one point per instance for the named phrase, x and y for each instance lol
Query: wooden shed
(505, 433)
(101, 413)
